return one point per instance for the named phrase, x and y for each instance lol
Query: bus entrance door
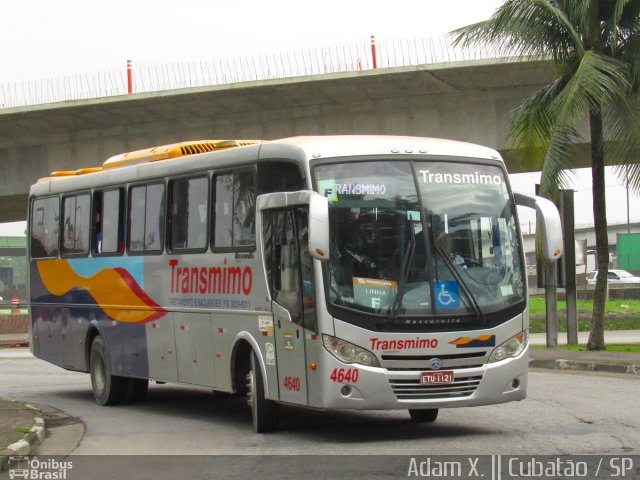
(290, 355)
(288, 306)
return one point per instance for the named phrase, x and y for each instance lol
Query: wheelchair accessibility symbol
(447, 295)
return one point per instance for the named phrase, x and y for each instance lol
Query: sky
(47, 39)
(580, 183)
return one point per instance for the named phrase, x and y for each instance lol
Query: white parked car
(618, 277)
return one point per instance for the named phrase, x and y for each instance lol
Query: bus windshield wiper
(405, 269)
(456, 274)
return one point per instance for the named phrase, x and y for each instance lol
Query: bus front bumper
(382, 389)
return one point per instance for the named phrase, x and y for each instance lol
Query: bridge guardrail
(154, 77)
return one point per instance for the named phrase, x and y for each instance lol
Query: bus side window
(284, 270)
(45, 214)
(234, 209)
(279, 176)
(188, 213)
(108, 222)
(96, 245)
(306, 270)
(146, 218)
(76, 224)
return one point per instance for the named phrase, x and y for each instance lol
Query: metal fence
(154, 77)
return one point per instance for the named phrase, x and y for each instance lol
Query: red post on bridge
(374, 56)
(129, 76)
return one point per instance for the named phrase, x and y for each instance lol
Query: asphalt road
(565, 413)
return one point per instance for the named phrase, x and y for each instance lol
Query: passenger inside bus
(97, 223)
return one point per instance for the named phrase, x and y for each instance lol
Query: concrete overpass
(467, 101)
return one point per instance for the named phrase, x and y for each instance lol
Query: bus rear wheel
(423, 416)
(107, 389)
(264, 413)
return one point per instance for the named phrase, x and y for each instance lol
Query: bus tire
(423, 416)
(136, 390)
(264, 413)
(107, 389)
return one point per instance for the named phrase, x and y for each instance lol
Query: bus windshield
(425, 239)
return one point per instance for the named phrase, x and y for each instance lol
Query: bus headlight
(348, 352)
(511, 348)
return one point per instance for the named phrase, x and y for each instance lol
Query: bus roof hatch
(153, 154)
(173, 150)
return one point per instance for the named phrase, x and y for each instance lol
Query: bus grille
(414, 390)
(398, 363)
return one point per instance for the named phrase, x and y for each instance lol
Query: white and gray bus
(338, 272)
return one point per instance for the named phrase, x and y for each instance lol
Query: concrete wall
(465, 101)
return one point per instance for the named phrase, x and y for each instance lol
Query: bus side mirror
(549, 225)
(319, 227)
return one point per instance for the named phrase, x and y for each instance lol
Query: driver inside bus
(447, 244)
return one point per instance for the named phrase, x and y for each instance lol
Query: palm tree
(595, 46)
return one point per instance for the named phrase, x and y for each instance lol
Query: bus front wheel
(107, 389)
(423, 416)
(264, 413)
(136, 390)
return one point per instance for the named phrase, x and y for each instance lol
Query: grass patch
(619, 315)
(630, 307)
(630, 348)
(539, 325)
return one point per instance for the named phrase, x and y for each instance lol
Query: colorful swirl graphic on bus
(481, 341)
(114, 290)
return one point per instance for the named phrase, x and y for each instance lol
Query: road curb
(27, 444)
(562, 364)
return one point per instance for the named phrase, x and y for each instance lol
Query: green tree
(595, 47)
